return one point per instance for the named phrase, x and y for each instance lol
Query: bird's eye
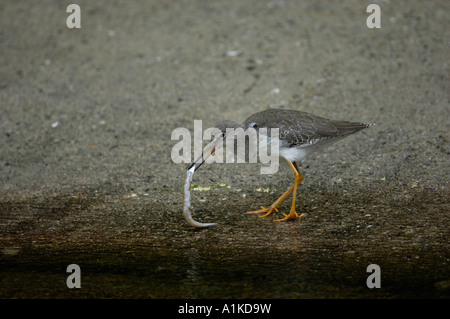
(253, 125)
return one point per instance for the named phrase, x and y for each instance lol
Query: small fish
(187, 201)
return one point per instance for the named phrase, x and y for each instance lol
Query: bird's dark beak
(209, 150)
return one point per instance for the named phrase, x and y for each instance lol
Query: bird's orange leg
(298, 181)
(274, 206)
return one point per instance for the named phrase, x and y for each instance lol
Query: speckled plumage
(300, 133)
(300, 128)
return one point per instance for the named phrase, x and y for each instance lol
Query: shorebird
(300, 134)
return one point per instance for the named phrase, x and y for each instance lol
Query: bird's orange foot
(265, 211)
(291, 215)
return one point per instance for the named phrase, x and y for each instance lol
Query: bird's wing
(298, 128)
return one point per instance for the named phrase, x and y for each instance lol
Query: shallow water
(134, 250)
(197, 273)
